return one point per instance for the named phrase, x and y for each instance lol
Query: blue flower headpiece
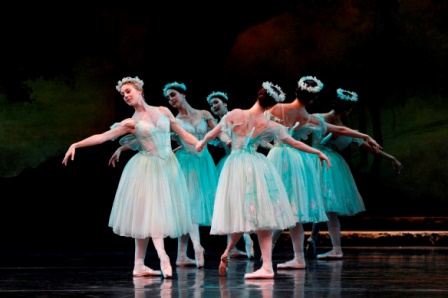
(125, 80)
(174, 85)
(347, 95)
(217, 93)
(305, 86)
(279, 97)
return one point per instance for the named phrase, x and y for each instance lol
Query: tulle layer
(302, 182)
(202, 179)
(151, 199)
(250, 196)
(339, 188)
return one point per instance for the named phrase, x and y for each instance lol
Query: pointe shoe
(146, 271)
(249, 246)
(236, 253)
(260, 273)
(223, 266)
(199, 255)
(293, 264)
(310, 251)
(330, 255)
(165, 266)
(183, 261)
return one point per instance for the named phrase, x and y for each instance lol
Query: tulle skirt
(250, 196)
(301, 180)
(339, 188)
(151, 199)
(202, 180)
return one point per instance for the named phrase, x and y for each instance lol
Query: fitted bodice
(250, 143)
(150, 138)
(198, 130)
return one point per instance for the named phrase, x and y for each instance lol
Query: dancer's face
(175, 98)
(218, 107)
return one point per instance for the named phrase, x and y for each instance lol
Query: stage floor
(364, 271)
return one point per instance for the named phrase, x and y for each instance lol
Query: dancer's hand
(70, 154)
(115, 157)
(397, 166)
(375, 146)
(323, 157)
(200, 145)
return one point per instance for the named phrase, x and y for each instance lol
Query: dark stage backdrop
(61, 65)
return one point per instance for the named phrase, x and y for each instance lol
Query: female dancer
(199, 169)
(301, 179)
(251, 196)
(218, 105)
(341, 196)
(151, 199)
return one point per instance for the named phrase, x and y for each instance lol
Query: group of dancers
(171, 193)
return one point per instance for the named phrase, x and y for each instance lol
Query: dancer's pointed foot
(293, 264)
(330, 255)
(165, 266)
(199, 255)
(223, 265)
(142, 270)
(249, 246)
(310, 251)
(236, 253)
(260, 273)
(183, 261)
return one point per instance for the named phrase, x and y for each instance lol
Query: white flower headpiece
(279, 97)
(129, 80)
(304, 86)
(347, 95)
(217, 93)
(174, 85)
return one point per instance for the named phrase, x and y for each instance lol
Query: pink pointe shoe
(330, 255)
(293, 264)
(260, 273)
(184, 261)
(142, 270)
(199, 255)
(223, 266)
(165, 267)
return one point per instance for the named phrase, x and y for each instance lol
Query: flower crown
(174, 85)
(347, 95)
(125, 80)
(217, 93)
(304, 86)
(279, 97)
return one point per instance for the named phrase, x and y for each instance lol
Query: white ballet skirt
(152, 196)
(200, 173)
(250, 195)
(339, 189)
(300, 176)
